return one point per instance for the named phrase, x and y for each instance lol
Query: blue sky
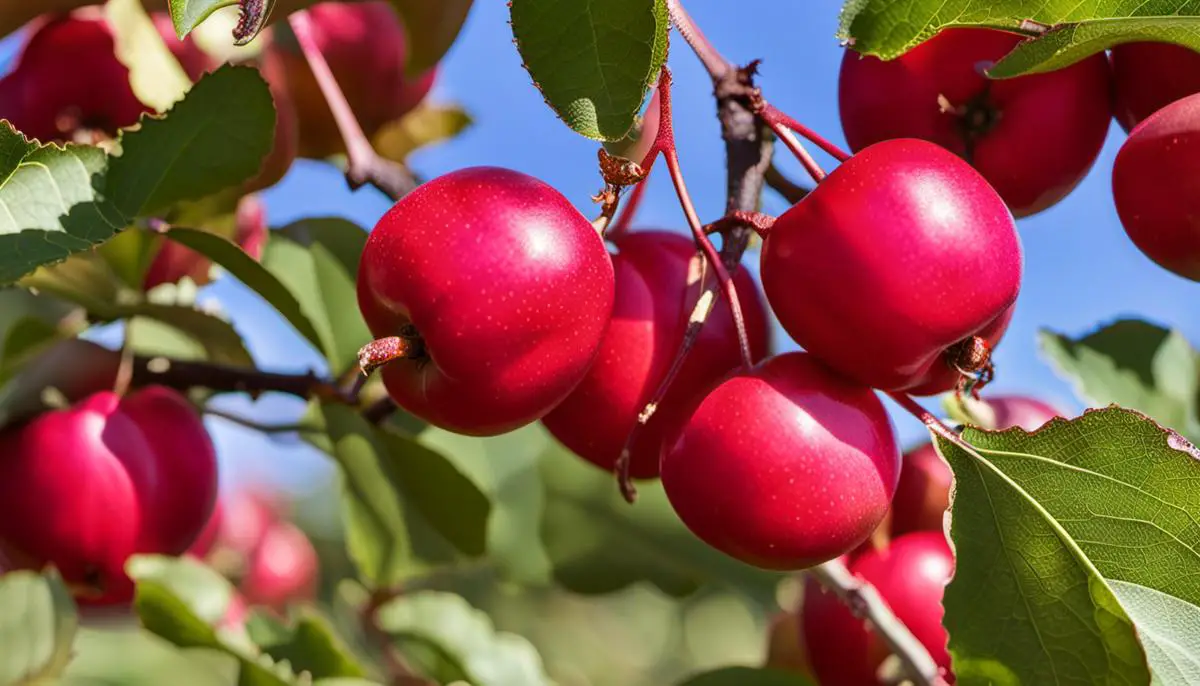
(1080, 268)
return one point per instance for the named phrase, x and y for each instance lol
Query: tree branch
(184, 375)
(790, 190)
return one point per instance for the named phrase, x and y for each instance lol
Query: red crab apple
(281, 569)
(1150, 76)
(173, 261)
(51, 95)
(784, 467)
(84, 488)
(923, 494)
(896, 262)
(911, 576)
(653, 303)
(367, 51)
(1156, 186)
(501, 290)
(1033, 137)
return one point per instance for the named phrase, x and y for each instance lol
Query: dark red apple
(504, 289)
(1150, 76)
(367, 51)
(911, 575)
(899, 256)
(67, 82)
(173, 261)
(86, 487)
(784, 467)
(1156, 185)
(654, 301)
(1033, 137)
(281, 570)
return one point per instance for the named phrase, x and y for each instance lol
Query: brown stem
(790, 190)
(621, 225)
(379, 411)
(185, 374)
(363, 164)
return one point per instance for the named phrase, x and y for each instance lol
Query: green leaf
(205, 592)
(30, 325)
(187, 14)
(431, 28)
(248, 270)
(1133, 364)
(1046, 519)
(599, 543)
(155, 75)
(216, 137)
(747, 676)
(139, 658)
(217, 338)
(51, 203)
(317, 261)
(308, 644)
(463, 639)
(888, 28)
(1169, 629)
(426, 125)
(376, 533)
(74, 367)
(593, 62)
(37, 626)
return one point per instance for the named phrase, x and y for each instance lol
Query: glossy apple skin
(923, 494)
(282, 569)
(1150, 76)
(367, 51)
(48, 96)
(1048, 129)
(86, 487)
(510, 287)
(1156, 186)
(911, 575)
(653, 303)
(173, 261)
(784, 467)
(899, 254)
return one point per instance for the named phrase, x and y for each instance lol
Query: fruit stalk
(363, 164)
(865, 602)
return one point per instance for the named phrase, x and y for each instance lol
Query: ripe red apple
(67, 83)
(1150, 76)
(173, 261)
(86, 487)
(508, 288)
(282, 569)
(1033, 137)
(653, 302)
(911, 575)
(367, 51)
(1019, 410)
(206, 540)
(898, 256)
(784, 467)
(1156, 186)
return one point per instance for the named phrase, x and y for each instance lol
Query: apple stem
(407, 346)
(760, 222)
(713, 61)
(806, 160)
(865, 602)
(773, 116)
(379, 411)
(790, 190)
(621, 226)
(363, 164)
(931, 422)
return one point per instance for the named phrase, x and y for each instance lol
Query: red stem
(789, 139)
(772, 115)
(927, 418)
(713, 61)
(621, 226)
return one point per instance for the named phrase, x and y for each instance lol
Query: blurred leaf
(426, 125)
(599, 543)
(431, 28)
(376, 533)
(317, 260)
(464, 640)
(128, 255)
(888, 28)
(216, 137)
(247, 270)
(75, 367)
(221, 342)
(1051, 520)
(30, 325)
(568, 47)
(37, 626)
(206, 593)
(139, 658)
(155, 75)
(187, 14)
(1133, 364)
(1068, 43)
(52, 203)
(747, 676)
(308, 644)
(344, 681)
